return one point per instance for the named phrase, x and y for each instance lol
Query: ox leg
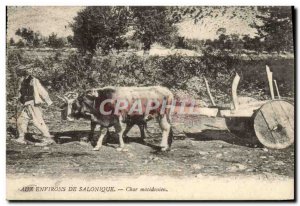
(170, 138)
(108, 137)
(166, 128)
(127, 129)
(120, 129)
(91, 135)
(100, 140)
(142, 130)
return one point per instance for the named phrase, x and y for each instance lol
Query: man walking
(31, 95)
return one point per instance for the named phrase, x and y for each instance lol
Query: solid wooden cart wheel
(274, 124)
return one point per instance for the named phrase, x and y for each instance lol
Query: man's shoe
(48, 140)
(45, 142)
(20, 141)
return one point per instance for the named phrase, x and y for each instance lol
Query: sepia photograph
(150, 103)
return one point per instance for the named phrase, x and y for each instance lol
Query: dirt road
(212, 152)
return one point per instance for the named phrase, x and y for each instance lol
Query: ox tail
(170, 100)
(170, 137)
(169, 119)
(146, 129)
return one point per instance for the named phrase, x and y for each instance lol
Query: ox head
(81, 106)
(68, 100)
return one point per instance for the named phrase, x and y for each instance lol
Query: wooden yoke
(235, 84)
(277, 90)
(270, 76)
(208, 92)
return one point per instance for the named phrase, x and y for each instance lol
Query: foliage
(11, 42)
(232, 43)
(62, 72)
(273, 24)
(254, 44)
(35, 39)
(199, 13)
(276, 29)
(31, 38)
(101, 27)
(55, 42)
(109, 29)
(152, 24)
(70, 40)
(105, 27)
(20, 44)
(191, 44)
(196, 44)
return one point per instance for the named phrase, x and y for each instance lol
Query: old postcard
(150, 103)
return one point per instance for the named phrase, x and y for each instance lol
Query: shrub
(181, 74)
(20, 44)
(55, 42)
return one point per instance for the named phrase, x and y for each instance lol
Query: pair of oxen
(122, 108)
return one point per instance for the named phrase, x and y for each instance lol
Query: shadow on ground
(109, 139)
(28, 136)
(226, 136)
(239, 131)
(234, 137)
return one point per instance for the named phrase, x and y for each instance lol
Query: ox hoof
(70, 119)
(119, 149)
(20, 141)
(165, 149)
(122, 149)
(96, 149)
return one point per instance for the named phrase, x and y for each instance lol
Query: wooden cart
(272, 121)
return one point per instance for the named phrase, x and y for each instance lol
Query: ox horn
(92, 92)
(71, 95)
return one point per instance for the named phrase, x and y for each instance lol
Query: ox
(66, 109)
(122, 107)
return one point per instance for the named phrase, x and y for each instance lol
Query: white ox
(122, 107)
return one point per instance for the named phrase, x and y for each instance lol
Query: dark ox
(115, 107)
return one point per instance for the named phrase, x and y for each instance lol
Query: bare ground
(210, 152)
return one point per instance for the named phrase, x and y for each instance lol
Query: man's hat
(24, 69)
(21, 67)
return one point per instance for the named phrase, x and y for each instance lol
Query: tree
(152, 24)
(276, 29)
(247, 42)
(31, 38)
(55, 42)
(180, 43)
(236, 44)
(11, 42)
(254, 44)
(100, 27)
(36, 40)
(221, 31)
(199, 13)
(70, 40)
(20, 44)
(226, 43)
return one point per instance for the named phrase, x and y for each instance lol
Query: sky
(47, 20)
(43, 19)
(207, 28)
